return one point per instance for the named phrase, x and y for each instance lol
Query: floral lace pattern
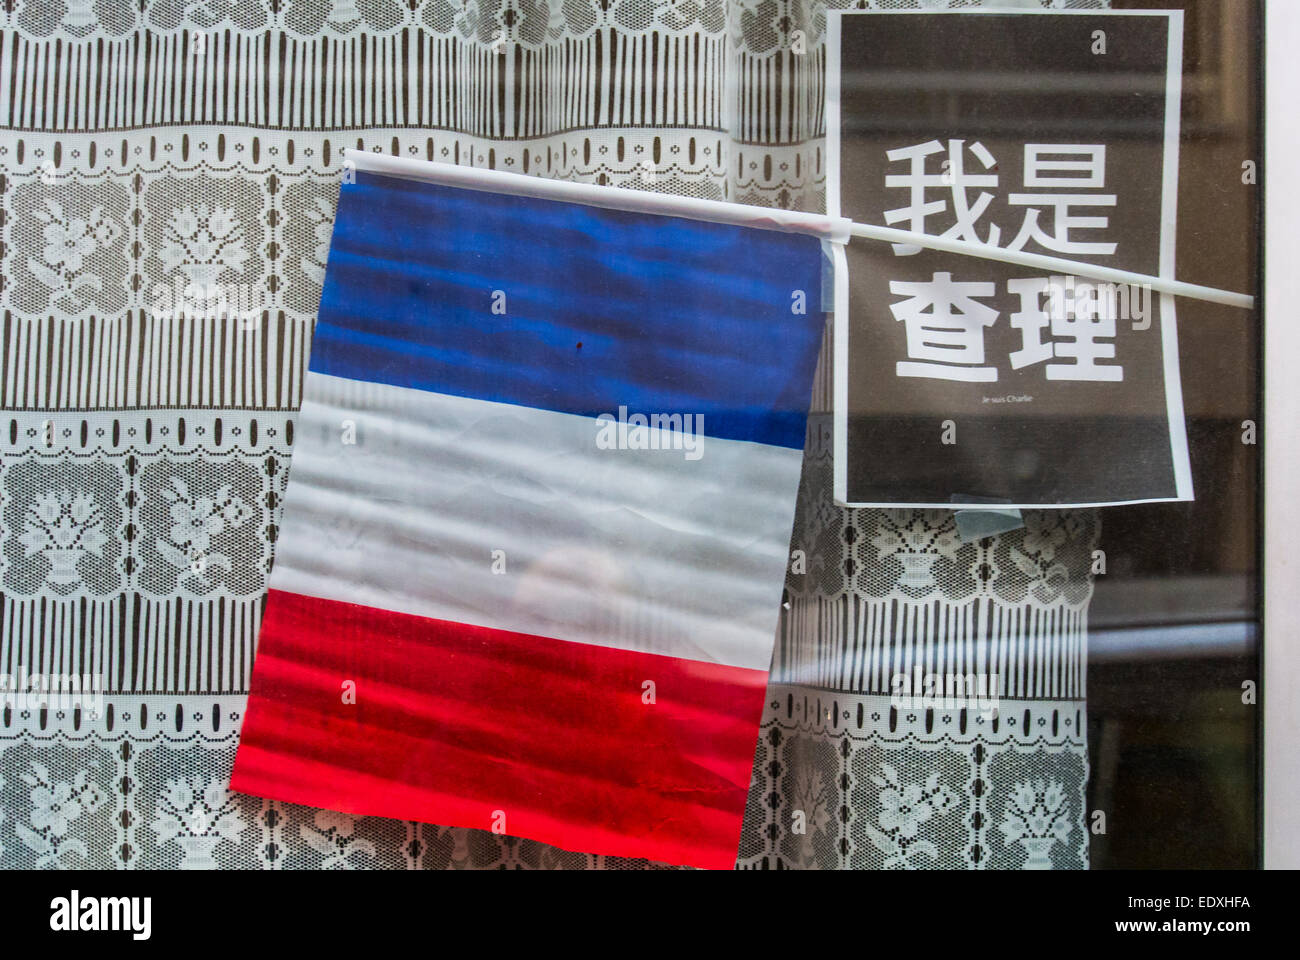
(196, 814)
(55, 807)
(71, 241)
(173, 513)
(63, 527)
(845, 780)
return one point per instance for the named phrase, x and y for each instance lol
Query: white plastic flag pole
(835, 229)
(1053, 264)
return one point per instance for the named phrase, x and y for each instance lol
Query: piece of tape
(975, 525)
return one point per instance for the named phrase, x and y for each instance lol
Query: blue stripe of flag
(603, 308)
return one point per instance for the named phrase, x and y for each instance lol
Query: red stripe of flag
(453, 723)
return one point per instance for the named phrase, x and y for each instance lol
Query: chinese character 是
(1084, 167)
(1090, 173)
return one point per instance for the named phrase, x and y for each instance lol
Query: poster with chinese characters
(962, 379)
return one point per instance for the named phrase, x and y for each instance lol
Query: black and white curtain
(168, 175)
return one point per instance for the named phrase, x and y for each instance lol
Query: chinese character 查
(945, 328)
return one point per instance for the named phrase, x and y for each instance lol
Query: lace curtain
(168, 174)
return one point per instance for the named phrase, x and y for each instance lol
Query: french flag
(537, 522)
